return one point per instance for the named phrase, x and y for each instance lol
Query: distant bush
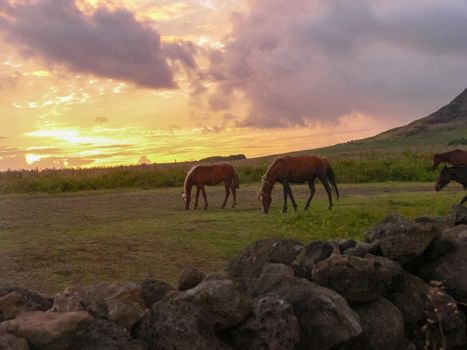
(349, 168)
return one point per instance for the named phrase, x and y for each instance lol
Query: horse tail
(332, 178)
(235, 181)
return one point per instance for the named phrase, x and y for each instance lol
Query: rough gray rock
(49, 330)
(223, 304)
(386, 227)
(104, 335)
(325, 318)
(272, 326)
(154, 290)
(450, 268)
(410, 242)
(423, 308)
(315, 252)
(189, 278)
(352, 277)
(459, 213)
(12, 342)
(180, 325)
(120, 302)
(251, 260)
(383, 325)
(15, 300)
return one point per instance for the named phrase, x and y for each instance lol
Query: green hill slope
(445, 128)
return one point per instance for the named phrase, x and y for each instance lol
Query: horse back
(212, 174)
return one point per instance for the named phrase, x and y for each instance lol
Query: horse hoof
(283, 211)
(330, 207)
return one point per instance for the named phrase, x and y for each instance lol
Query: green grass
(49, 241)
(357, 167)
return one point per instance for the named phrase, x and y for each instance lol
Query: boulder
(315, 252)
(49, 330)
(269, 280)
(104, 335)
(389, 272)
(459, 214)
(250, 261)
(122, 303)
(352, 277)
(326, 320)
(426, 310)
(410, 242)
(12, 304)
(442, 222)
(450, 268)
(223, 304)
(389, 225)
(11, 342)
(363, 248)
(172, 324)
(345, 244)
(189, 278)
(66, 303)
(383, 325)
(272, 325)
(154, 290)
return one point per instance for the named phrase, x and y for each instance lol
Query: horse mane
(273, 164)
(188, 176)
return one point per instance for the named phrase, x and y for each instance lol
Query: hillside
(445, 128)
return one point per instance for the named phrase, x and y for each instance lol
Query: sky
(87, 83)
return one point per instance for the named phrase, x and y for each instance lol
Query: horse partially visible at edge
(455, 158)
(299, 169)
(455, 173)
(210, 175)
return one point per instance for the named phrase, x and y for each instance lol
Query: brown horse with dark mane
(210, 175)
(299, 169)
(455, 158)
(455, 173)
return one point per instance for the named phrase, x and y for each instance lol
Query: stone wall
(403, 287)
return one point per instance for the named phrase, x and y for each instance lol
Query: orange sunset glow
(102, 83)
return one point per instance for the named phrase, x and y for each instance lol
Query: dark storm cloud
(305, 61)
(107, 43)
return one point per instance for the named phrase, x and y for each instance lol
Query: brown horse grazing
(298, 169)
(456, 173)
(210, 175)
(456, 157)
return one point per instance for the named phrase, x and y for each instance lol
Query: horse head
(443, 179)
(186, 199)
(264, 196)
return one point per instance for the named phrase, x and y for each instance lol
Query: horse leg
(203, 192)
(311, 185)
(234, 195)
(285, 193)
(289, 190)
(325, 183)
(197, 196)
(227, 193)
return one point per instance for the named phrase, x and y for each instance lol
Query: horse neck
(271, 176)
(188, 185)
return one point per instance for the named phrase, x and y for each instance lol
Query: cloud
(101, 120)
(306, 62)
(106, 43)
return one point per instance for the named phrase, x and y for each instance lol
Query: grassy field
(49, 241)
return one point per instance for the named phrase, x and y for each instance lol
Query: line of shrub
(355, 168)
